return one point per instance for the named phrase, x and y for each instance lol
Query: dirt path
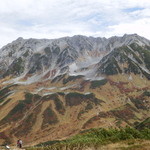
(11, 148)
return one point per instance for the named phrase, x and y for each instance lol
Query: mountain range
(51, 89)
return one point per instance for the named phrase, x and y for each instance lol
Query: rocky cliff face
(56, 88)
(28, 57)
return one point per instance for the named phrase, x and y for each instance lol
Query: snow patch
(87, 93)
(72, 68)
(130, 77)
(43, 88)
(48, 93)
(145, 69)
(67, 87)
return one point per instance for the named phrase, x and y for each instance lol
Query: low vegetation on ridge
(95, 138)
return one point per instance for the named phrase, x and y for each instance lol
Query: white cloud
(57, 18)
(140, 27)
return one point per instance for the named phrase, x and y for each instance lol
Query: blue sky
(59, 18)
(133, 9)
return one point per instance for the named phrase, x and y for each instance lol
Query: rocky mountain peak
(43, 55)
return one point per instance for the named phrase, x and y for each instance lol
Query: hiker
(19, 143)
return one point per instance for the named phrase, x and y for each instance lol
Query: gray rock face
(126, 59)
(75, 55)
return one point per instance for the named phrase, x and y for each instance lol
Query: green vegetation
(88, 107)
(133, 67)
(134, 46)
(15, 114)
(18, 108)
(145, 74)
(18, 111)
(146, 93)
(61, 93)
(28, 98)
(58, 103)
(144, 124)
(56, 50)
(124, 52)
(120, 53)
(98, 83)
(129, 52)
(74, 98)
(144, 52)
(111, 67)
(124, 113)
(58, 78)
(134, 146)
(17, 67)
(49, 117)
(26, 127)
(8, 100)
(96, 138)
(37, 60)
(26, 53)
(118, 122)
(147, 58)
(4, 93)
(71, 78)
(139, 103)
(59, 106)
(48, 51)
(37, 55)
(10, 54)
(111, 63)
(7, 139)
(48, 143)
